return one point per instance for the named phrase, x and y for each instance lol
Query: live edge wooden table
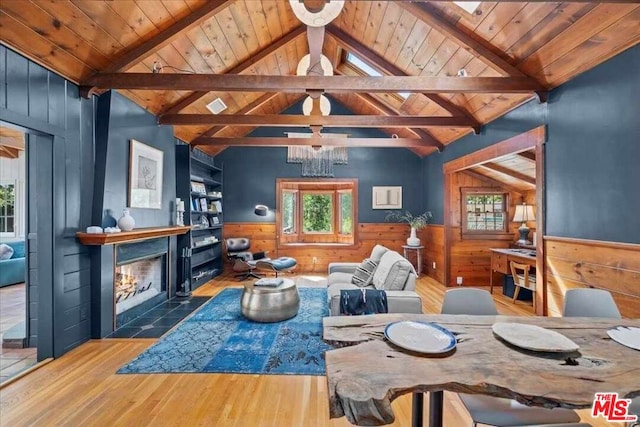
(368, 372)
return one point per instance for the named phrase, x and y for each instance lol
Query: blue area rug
(217, 338)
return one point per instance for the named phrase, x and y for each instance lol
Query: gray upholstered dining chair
(588, 302)
(490, 410)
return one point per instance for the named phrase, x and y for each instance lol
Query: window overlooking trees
(316, 211)
(484, 212)
(8, 209)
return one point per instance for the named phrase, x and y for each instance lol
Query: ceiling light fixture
(468, 6)
(216, 106)
(462, 73)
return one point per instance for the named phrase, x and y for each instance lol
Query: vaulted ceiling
(532, 47)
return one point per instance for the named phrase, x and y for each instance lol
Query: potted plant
(416, 222)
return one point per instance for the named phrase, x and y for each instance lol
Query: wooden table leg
(417, 409)
(491, 282)
(419, 261)
(436, 400)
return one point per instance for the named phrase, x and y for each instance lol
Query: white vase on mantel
(126, 221)
(413, 239)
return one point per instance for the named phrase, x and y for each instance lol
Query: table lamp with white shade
(523, 214)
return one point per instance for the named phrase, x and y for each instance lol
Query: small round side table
(270, 304)
(418, 250)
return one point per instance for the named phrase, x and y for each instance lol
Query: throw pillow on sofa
(6, 251)
(377, 252)
(393, 272)
(364, 272)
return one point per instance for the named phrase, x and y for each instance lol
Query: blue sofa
(13, 270)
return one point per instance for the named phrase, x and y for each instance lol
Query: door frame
(47, 256)
(533, 139)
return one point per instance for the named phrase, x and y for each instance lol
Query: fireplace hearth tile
(160, 319)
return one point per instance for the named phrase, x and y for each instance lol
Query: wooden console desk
(501, 258)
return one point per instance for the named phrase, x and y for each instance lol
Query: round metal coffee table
(270, 304)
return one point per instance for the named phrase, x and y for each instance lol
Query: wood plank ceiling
(548, 42)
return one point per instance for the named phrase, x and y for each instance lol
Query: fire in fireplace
(138, 282)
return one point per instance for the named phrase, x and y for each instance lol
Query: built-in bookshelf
(199, 185)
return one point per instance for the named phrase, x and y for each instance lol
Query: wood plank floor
(13, 308)
(82, 389)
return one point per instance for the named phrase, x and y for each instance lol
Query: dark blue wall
(592, 153)
(59, 289)
(118, 121)
(250, 173)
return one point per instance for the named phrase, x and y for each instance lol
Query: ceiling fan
(316, 14)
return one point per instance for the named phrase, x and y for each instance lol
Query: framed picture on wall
(387, 197)
(145, 176)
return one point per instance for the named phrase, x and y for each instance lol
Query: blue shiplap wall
(34, 98)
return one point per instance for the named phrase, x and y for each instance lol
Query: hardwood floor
(81, 388)
(13, 312)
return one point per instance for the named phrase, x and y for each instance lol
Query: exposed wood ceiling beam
(240, 68)
(510, 172)
(491, 181)
(336, 142)
(385, 67)
(429, 15)
(385, 109)
(245, 110)
(276, 120)
(162, 39)
(528, 155)
(298, 84)
(10, 152)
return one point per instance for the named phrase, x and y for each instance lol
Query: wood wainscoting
(263, 238)
(432, 237)
(578, 263)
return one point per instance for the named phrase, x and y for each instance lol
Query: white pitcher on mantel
(413, 239)
(126, 221)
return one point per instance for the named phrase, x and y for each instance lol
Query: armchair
(244, 262)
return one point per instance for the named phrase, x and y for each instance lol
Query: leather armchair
(244, 262)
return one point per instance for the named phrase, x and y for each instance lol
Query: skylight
(468, 6)
(370, 71)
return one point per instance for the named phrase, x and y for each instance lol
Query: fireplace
(137, 282)
(140, 279)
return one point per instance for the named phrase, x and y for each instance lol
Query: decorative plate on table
(627, 336)
(534, 338)
(421, 337)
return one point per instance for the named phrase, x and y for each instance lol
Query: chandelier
(317, 161)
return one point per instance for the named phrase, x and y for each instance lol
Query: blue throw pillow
(6, 251)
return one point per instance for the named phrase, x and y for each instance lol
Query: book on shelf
(198, 187)
(203, 204)
(271, 282)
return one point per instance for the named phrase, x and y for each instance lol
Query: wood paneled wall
(432, 238)
(471, 258)
(263, 238)
(577, 263)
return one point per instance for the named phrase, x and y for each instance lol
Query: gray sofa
(388, 275)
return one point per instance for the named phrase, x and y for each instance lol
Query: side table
(418, 249)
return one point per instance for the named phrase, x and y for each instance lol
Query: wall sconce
(523, 214)
(261, 210)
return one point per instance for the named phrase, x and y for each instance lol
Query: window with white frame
(8, 223)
